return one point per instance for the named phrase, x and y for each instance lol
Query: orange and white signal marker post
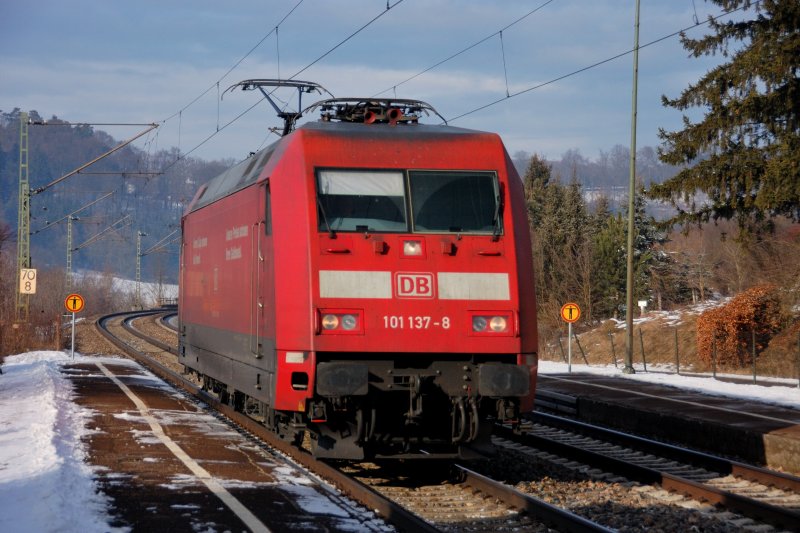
(74, 304)
(570, 313)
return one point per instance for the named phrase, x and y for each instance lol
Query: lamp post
(628, 368)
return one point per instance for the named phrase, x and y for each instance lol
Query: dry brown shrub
(729, 329)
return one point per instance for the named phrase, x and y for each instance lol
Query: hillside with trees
(106, 207)
(149, 193)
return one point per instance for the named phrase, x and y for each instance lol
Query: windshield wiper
(496, 219)
(331, 233)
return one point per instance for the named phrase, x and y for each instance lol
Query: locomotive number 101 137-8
(414, 322)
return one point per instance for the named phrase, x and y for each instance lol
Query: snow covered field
(46, 484)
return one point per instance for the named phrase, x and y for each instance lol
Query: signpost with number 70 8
(570, 312)
(27, 281)
(74, 304)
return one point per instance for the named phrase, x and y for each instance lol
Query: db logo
(413, 285)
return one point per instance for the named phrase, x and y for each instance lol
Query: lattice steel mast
(23, 219)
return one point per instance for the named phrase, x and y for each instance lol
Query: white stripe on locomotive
(378, 285)
(355, 284)
(473, 286)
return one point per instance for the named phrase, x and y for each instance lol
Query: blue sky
(144, 61)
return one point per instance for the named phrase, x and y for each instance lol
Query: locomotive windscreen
(361, 201)
(457, 202)
(376, 201)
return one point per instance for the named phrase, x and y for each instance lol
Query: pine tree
(747, 145)
(537, 178)
(562, 246)
(647, 236)
(545, 199)
(609, 245)
(549, 241)
(609, 248)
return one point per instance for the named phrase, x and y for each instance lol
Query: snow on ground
(46, 484)
(776, 391)
(151, 292)
(676, 317)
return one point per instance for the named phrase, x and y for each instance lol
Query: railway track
(456, 499)
(764, 495)
(460, 501)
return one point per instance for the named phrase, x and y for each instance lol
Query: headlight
(340, 321)
(412, 248)
(491, 323)
(349, 322)
(330, 322)
(498, 324)
(478, 323)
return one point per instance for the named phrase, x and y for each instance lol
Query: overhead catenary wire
(122, 222)
(119, 146)
(179, 113)
(48, 123)
(503, 52)
(239, 62)
(183, 156)
(466, 49)
(278, 51)
(293, 76)
(73, 213)
(160, 245)
(359, 30)
(598, 63)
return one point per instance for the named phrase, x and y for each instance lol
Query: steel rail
(771, 514)
(712, 462)
(126, 323)
(164, 321)
(559, 518)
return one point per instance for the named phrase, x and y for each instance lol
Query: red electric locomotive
(367, 279)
